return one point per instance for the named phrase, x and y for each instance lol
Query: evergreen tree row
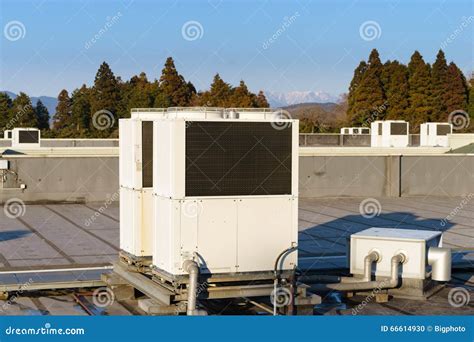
(75, 113)
(417, 92)
(20, 112)
(109, 94)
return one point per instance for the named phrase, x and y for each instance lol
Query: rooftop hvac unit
(389, 133)
(136, 183)
(435, 133)
(7, 134)
(26, 138)
(225, 185)
(355, 130)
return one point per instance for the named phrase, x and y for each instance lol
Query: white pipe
(440, 261)
(368, 261)
(192, 268)
(370, 285)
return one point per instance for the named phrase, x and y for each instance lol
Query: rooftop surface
(78, 235)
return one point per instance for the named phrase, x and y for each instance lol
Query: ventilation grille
(398, 128)
(443, 129)
(147, 154)
(28, 137)
(238, 158)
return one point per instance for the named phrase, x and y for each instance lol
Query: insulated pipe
(440, 261)
(370, 285)
(192, 268)
(368, 261)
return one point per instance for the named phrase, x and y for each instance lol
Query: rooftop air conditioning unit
(25, 138)
(225, 186)
(136, 182)
(389, 133)
(435, 133)
(355, 130)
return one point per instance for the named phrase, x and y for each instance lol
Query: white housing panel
(228, 235)
(389, 133)
(387, 242)
(7, 134)
(136, 203)
(435, 133)
(224, 233)
(136, 221)
(26, 138)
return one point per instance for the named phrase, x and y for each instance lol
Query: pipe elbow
(190, 266)
(440, 261)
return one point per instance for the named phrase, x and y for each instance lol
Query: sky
(278, 46)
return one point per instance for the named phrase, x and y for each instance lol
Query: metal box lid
(397, 234)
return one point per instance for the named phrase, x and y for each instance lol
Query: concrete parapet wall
(96, 179)
(61, 179)
(393, 176)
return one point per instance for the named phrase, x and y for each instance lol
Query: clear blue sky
(318, 49)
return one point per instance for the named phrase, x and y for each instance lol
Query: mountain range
(278, 99)
(48, 101)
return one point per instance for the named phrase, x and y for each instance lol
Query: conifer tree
(261, 100)
(141, 93)
(5, 110)
(241, 97)
(440, 87)
(369, 97)
(219, 94)
(62, 117)
(42, 115)
(358, 73)
(395, 84)
(173, 87)
(105, 94)
(22, 113)
(80, 110)
(419, 94)
(457, 92)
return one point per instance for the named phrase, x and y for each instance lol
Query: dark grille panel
(28, 137)
(237, 159)
(398, 128)
(147, 154)
(443, 129)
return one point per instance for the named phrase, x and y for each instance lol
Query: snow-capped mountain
(277, 99)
